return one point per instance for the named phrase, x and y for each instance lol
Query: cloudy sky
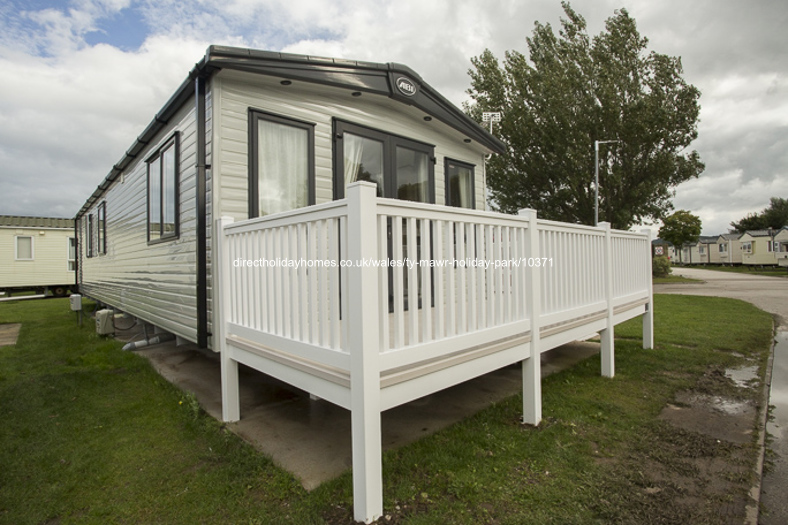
(82, 78)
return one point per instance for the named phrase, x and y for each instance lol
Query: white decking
(482, 291)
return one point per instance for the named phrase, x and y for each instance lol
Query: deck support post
(363, 344)
(231, 399)
(607, 346)
(532, 367)
(648, 317)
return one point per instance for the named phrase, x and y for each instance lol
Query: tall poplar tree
(572, 90)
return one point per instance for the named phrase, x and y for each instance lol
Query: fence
(370, 303)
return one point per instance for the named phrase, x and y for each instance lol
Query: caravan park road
(767, 293)
(771, 295)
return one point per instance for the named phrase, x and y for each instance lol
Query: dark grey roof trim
(367, 77)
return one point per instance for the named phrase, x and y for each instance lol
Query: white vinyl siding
(756, 250)
(235, 93)
(24, 248)
(48, 267)
(155, 282)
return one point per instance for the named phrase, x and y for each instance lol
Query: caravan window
(401, 168)
(89, 252)
(24, 248)
(460, 184)
(102, 228)
(72, 254)
(281, 166)
(163, 192)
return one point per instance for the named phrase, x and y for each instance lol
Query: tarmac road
(769, 294)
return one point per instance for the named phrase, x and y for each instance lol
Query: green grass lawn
(91, 434)
(673, 279)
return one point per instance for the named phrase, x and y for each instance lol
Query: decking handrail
(405, 291)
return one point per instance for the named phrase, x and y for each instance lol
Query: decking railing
(371, 302)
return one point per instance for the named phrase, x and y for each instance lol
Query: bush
(660, 267)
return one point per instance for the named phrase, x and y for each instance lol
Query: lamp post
(596, 177)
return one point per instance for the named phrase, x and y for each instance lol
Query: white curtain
(283, 169)
(464, 176)
(354, 147)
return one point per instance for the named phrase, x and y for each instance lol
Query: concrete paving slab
(9, 333)
(311, 438)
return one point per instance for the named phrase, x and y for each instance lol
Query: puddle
(716, 416)
(742, 376)
(720, 404)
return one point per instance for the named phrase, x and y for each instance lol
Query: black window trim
(175, 141)
(390, 143)
(446, 163)
(254, 116)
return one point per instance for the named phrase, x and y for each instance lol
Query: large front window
(401, 168)
(281, 168)
(163, 192)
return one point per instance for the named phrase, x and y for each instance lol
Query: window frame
(255, 115)
(155, 159)
(746, 247)
(447, 163)
(32, 248)
(390, 144)
(101, 229)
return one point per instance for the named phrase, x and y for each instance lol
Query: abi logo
(406, 86)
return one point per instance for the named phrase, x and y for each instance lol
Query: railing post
(607, 346)
(532, 367)
(363, 344)
(231, 401)
(648, 317)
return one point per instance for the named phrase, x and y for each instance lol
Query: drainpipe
(76, 254)
(202, 263)
(156, 339)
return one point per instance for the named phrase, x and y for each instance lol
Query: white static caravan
(708, 251)
(758, 247)
(146, 232)
(781, 246)
(37, 253)
(729, 248)
(690, 253)
(267, 156)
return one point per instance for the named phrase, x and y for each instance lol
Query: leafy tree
(571, 91)
(679, 228)
(774, 216)
(751, 221)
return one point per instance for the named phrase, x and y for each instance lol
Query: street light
(596, 177)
